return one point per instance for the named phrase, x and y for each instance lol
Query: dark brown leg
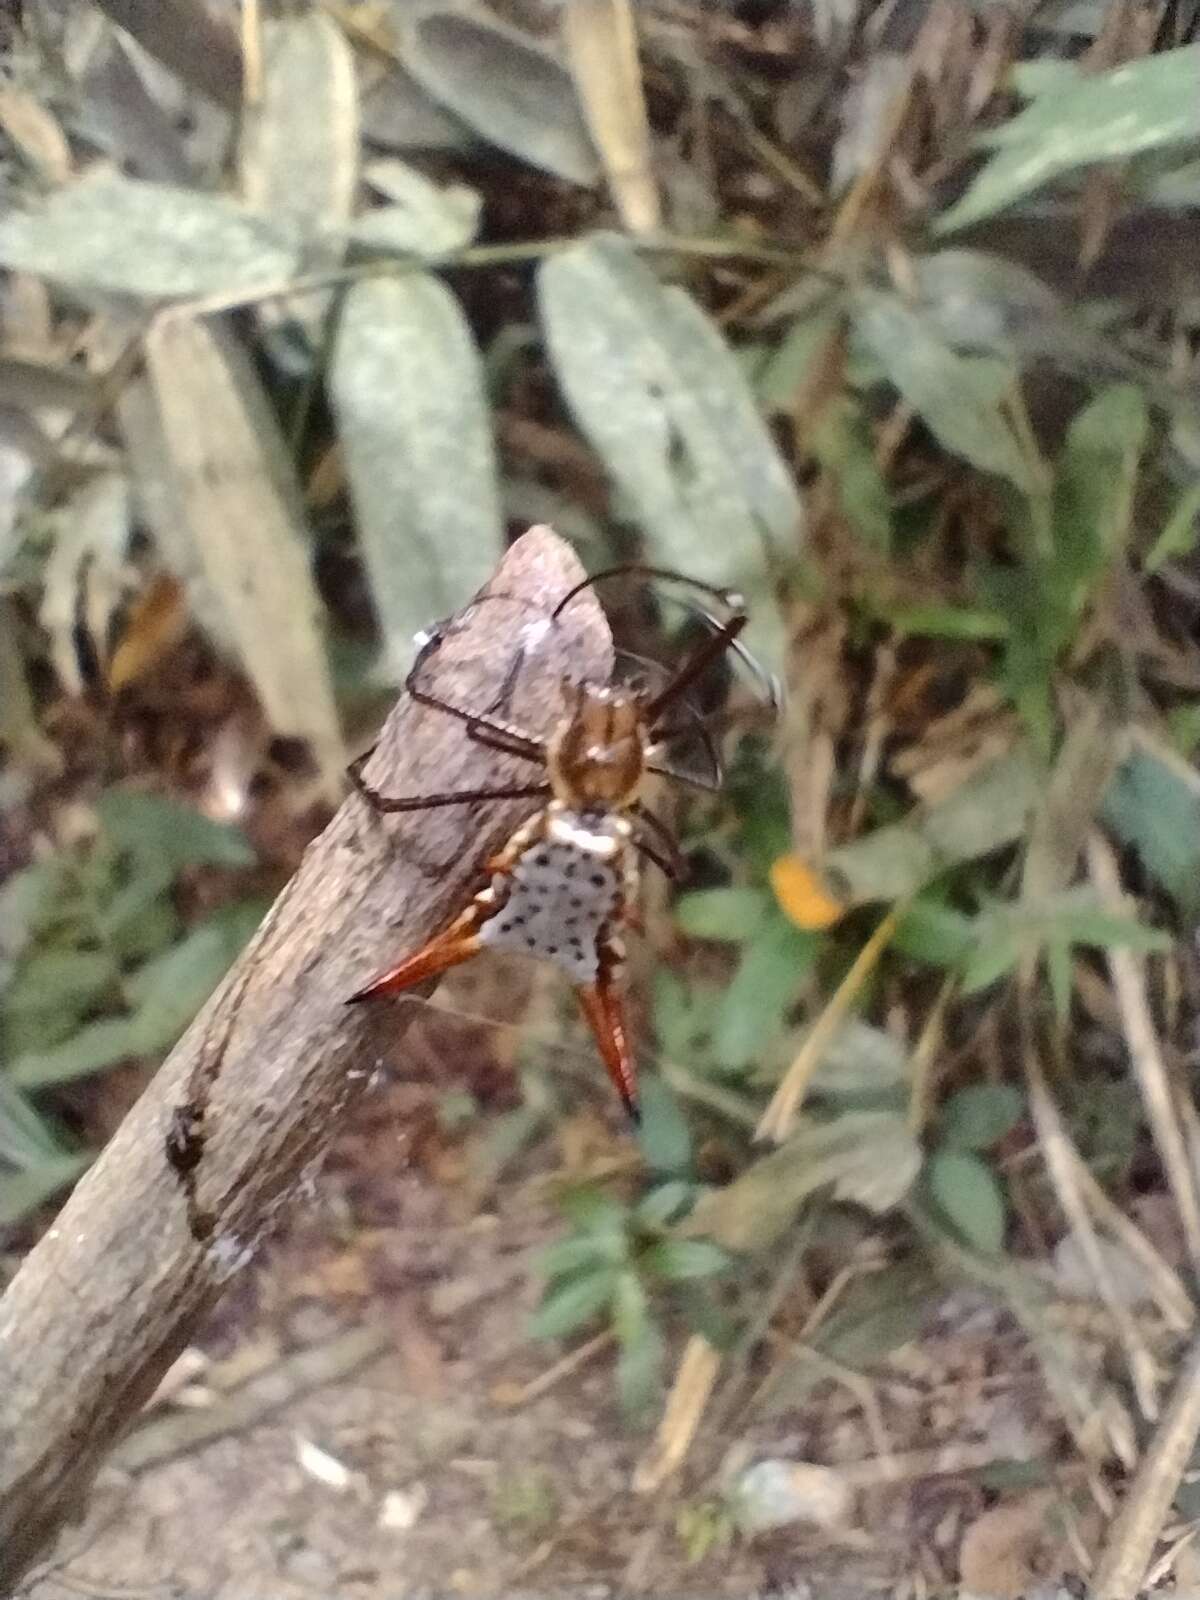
(388, 803)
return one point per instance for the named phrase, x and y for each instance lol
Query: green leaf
(753, 1010)
(595, 1211)
(26, 1139)
(959, 397)
(513, 91)
(1155, 807)
(861, 1059)
(97, 1046)
(298, 153)
(981, 1115)
(937, 934)
(569, 1257)
(664, 1203)
(842, 442)
(987, 812)
(61, 979)
(422, 218)
(1178, 536)
(122, 236)
(664, 1137)
(1145, 105)
(408, 388)
(150, 825)
(677, 1260)
(22, 1192)
(731, 914)
(970, 1198)
(169, 989)
(950, 622)
(29, 901)
(996, 953)
(123, 918)
(569, 1306)
(1093, 492)
(639, 1364)
(651, 381)
(786, 369)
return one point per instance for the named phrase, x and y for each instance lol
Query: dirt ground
(365, 1416)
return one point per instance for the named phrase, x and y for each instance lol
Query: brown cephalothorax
(566, 883)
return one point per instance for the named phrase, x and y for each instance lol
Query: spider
(566, 882)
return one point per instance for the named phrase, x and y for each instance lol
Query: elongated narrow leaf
(234, 485)
(299, 153)
(1151, 104)
(21, 1192)
(1094, 487)
(958, 397)
(408, 389)
(500, 82)
(662, 398)
(570, 1304)
(150, 825)
(148, 239)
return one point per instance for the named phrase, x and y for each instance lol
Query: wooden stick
(120, 1283)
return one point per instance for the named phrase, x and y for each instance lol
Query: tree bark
(115, 1289)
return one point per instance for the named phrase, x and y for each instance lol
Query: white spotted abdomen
(558, 901)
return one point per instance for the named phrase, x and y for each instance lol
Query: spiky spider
(566, 882)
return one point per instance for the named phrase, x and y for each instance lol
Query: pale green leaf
(408, 390)
(958, 397)
(678, 1260)
(753, 1010)
(153, 825)
(664, 1137)
(422, 218)
(22, 1192)
(663, 400)
(513, 92)
(106, 232)
(1149, 104)
(61, 979)
(730, 914)
(97, 1046)
(299, 147)
(869, 1157)
(969, 1196)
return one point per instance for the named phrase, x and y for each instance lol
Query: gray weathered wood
(115, 1289)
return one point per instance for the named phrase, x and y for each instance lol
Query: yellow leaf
(802, 896)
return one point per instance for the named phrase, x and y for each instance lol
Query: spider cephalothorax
(565, 884)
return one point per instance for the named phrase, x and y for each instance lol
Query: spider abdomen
(563, 895)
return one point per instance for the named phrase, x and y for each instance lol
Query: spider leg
(386, 803)
(701, 658)
(602, 1003)
(665, 852)
(455, 944)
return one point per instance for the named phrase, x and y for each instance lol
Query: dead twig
(116, 1288)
